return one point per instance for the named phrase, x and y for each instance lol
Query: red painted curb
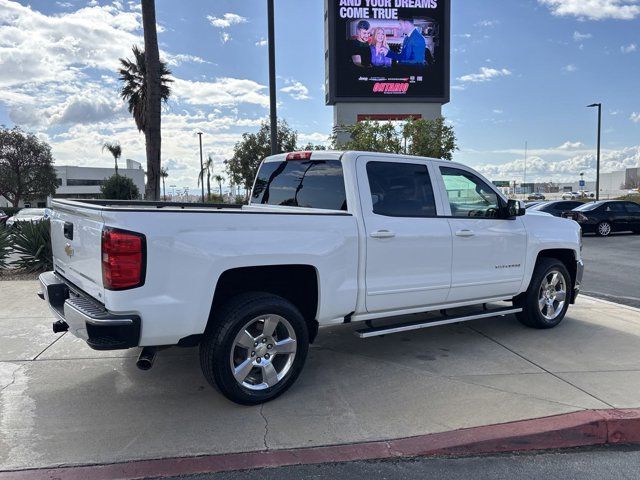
(585, 428)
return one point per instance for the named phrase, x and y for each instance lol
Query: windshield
(31, 212)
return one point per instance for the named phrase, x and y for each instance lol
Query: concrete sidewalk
(63, 404)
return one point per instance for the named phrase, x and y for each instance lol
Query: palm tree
(114, 149)
(145, 87)
(164, 174)
(208, 168)
(219, 179)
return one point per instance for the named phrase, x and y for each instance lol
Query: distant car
(557, 208)
(28, 215)
(605, 217)
(570, 196)
(536, 196)
(3, 217)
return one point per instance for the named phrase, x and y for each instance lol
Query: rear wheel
(255, 349)
(603, 229)
(546, 301)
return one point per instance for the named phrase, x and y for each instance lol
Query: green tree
(371, 136)
(219, 179)
(145, 85)
(207, 168)
(118, 187)
(164, 173)
(26, 167)
(114, 149)
(253, 148)
(430, 138)
(426, 138)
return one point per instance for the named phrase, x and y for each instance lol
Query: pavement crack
(13, 379)
(266, 427)
(539, 366)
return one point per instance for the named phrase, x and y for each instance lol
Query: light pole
(272, 78)
(599, 105)
(201, 165)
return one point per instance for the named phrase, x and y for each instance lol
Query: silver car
(28, 215)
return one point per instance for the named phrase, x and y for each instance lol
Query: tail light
(123, 259)
(580, 218)
(299, 156)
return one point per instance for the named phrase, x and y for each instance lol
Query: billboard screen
(388, 51)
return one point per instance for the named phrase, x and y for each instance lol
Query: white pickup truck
(328, 238)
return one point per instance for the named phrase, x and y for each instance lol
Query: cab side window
(615, 207)
(632, 207)
(469, 196)
(401, 189)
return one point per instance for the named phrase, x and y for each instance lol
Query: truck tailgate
(76, 236)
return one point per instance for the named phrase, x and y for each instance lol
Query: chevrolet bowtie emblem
(68, 250)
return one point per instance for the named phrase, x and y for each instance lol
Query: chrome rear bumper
(86, 318)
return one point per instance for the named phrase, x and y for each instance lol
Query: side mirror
(515, 208)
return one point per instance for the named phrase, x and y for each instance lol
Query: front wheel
(546, 301)
(603, 229)
(255, 348)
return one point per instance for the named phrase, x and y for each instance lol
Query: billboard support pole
(272, 78)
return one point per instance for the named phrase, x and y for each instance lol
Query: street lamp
(201, 165)
(599, 105)
(272, 78)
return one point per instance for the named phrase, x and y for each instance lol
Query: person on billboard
(413, 46)
(360, 48)
(379, 48)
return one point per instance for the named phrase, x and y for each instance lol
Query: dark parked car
(606, 217)
(529, 205)
(536, 196)
(557, 208)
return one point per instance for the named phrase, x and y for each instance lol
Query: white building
(85, 182)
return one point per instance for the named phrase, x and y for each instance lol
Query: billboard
(387, 50)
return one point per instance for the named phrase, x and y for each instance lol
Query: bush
(32, 243)
(10, 211)
(5, 243)
(118, 187)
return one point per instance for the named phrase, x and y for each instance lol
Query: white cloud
(225, 37)
(540, 169)
(570, 68)
(487, 23)
(635, 117)
(572, 146)
(632, 47)
(226, 20)
(179, 59)
(486, 74)
(297, 90)
(579, 37)
(594, 9)
(263, 42)
(222, 92)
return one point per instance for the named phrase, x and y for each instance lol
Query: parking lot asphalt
(612, 268)
(64, 404)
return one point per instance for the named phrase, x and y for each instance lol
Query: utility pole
(526, 151)
(599, 105)
(272, 78)
(201, 165)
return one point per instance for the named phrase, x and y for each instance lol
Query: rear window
(309, 184)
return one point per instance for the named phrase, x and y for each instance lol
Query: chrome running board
(435, 322)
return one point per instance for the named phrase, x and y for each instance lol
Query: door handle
(465, 233)
(382, 234)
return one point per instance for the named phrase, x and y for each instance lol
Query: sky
(521, 70)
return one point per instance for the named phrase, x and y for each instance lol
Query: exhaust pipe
(60, 326)
(146, 358)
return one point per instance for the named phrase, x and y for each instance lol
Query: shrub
(32, 243)
(10, 211)
(4, 247)
(118, 187)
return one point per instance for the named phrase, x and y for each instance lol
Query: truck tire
(546, 301)
(254, 348)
